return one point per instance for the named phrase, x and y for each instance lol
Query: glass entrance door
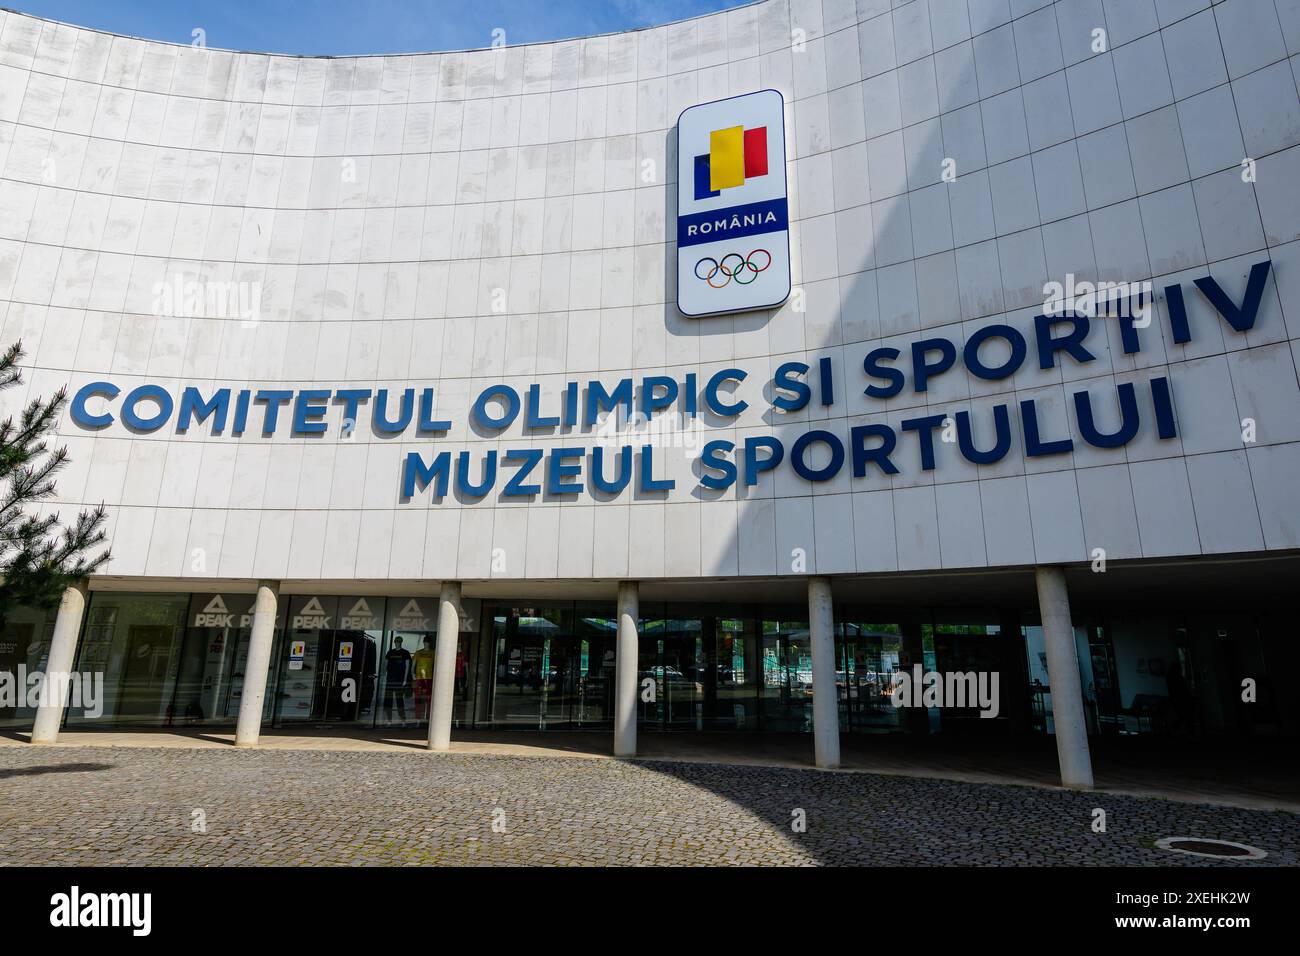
(329, 660)
(349, 687)
(595, 634)
(333, 680)
(595, 676)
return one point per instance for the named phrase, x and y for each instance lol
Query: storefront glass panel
(354, 689)
(209, 684)
(1144, 674)
(24, 647)
(554, 666)
(731, 674)
(523, 644)
(134, 641)
(1042, 719)
(406, 665)
(973, 643)
(329, 658)
(596, 634)
(787, 676)
(867, 664)
(672, 660)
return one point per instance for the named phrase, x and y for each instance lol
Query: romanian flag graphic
(735, 154)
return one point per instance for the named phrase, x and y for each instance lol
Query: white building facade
(389, 348)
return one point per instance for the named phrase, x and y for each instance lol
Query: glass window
(787, 676)
(867, 666)
(673, 661)
(210, 681)
(24, 647)
(397, 668)
(406, 669)
(731, 676)
(1040, 682)
(972, 642)
(134, 641)
(328, 661)
(554, 665)
(596, 637)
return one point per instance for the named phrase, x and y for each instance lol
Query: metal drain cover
(1216, 849)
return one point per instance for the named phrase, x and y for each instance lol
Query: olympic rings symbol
(719, 274)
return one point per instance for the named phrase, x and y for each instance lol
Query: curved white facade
(463, 220)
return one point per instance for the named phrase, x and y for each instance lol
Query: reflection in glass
(134, 640)
(867, 664)
(731, 676)
(328, 665)
(25, 641)
(787, 676)
(670, 673)
(554, 666)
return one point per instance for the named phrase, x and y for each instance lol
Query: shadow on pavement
(53, 768)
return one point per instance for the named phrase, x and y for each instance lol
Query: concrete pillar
(58, 664)
(826, 712)
(258, 664)
(444, 666)
(1063, 676)
(626, 658)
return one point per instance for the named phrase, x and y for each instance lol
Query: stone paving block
(125, 807)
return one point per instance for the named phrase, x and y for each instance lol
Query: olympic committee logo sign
(733, 221)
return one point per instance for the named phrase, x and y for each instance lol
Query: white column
(58, 665)
(1063, 677)
(444, 666)
(257, 664)
(826, 712)
(625, 670)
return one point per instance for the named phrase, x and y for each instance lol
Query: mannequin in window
(422, 678)
(397, 673)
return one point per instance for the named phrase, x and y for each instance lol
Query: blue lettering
(142, 393)
(800, 448)
(557, 471)
(84, 418)
(785, 379)
(515, 487)
(711, 399)
(304, 411)
(712, 457)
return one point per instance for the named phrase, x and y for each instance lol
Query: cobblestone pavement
(99, 806)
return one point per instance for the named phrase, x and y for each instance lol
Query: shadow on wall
(877, 287)
(896, 237)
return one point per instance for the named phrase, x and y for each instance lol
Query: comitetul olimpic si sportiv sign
(993, 352)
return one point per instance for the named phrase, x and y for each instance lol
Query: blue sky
(340, 27)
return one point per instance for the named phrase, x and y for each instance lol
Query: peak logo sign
(733, 225)
(360, 617)
(216, 612)
(411, 617)
(312, 617)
